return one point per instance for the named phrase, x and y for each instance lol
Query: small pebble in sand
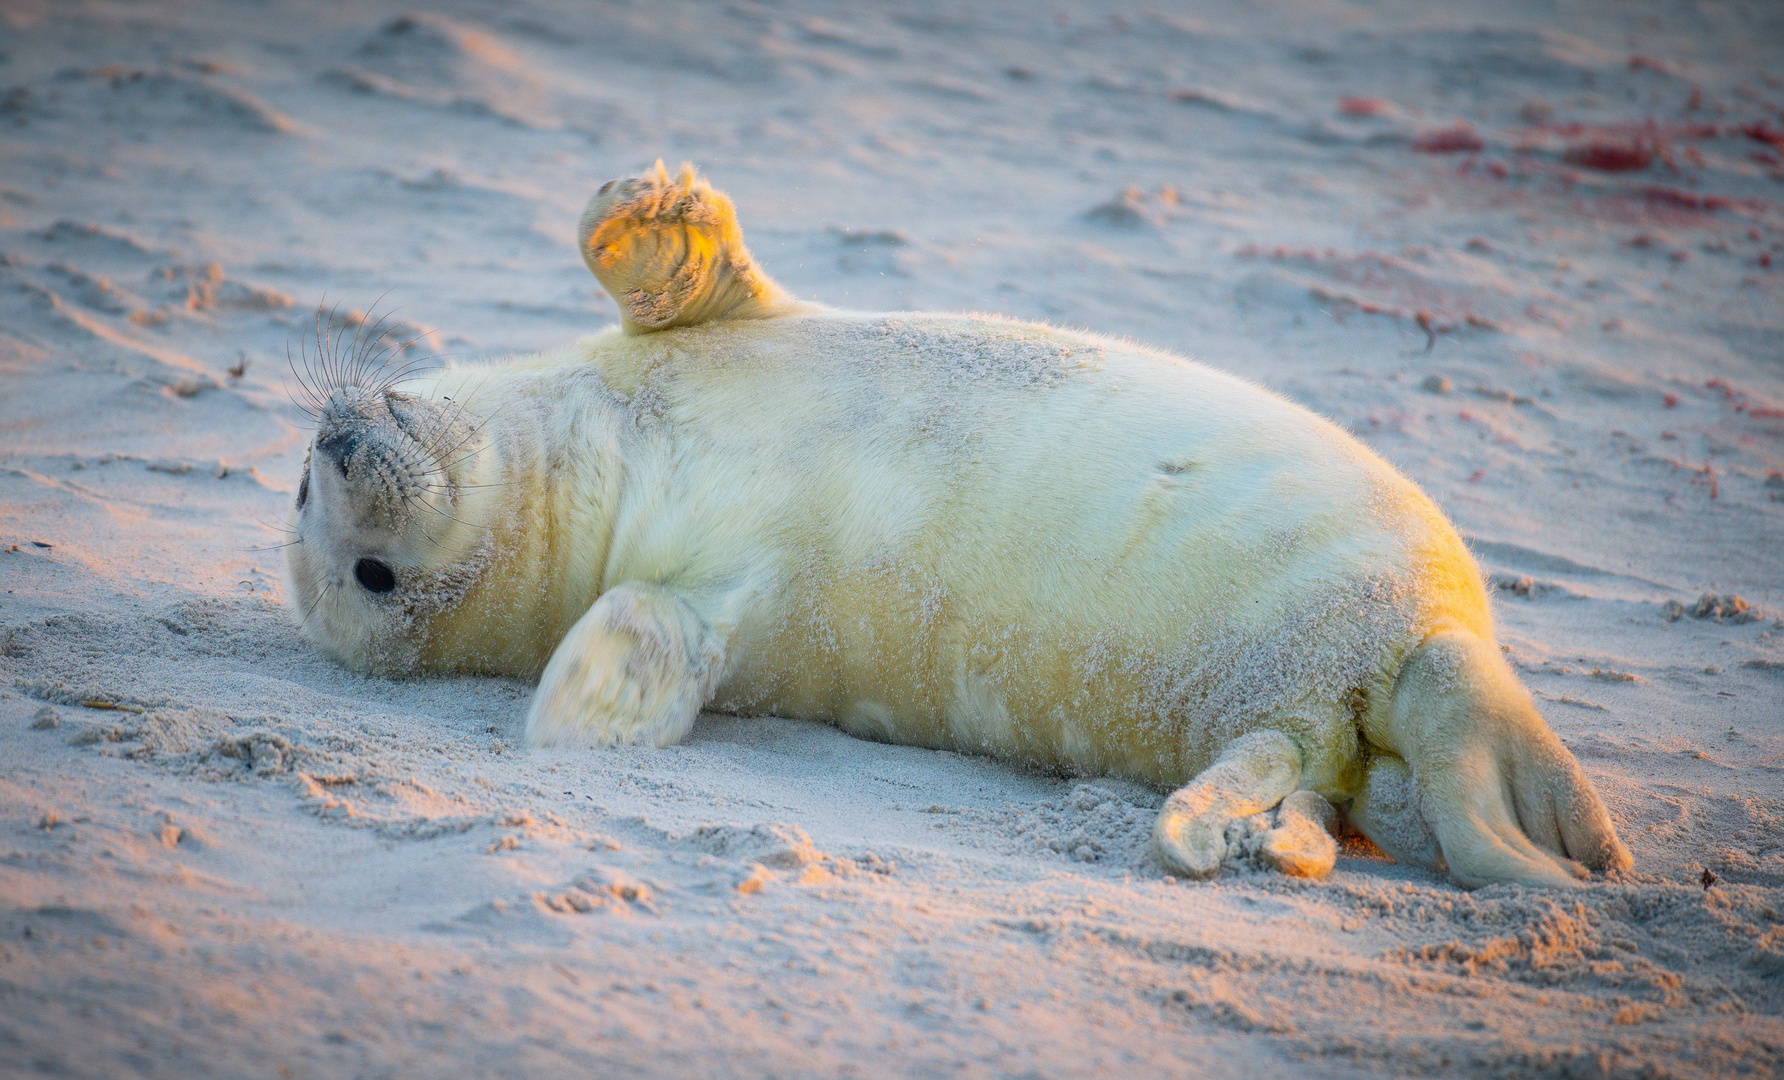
(1519, 584)
(754, 883)
(1731, 606)
(1436, 384)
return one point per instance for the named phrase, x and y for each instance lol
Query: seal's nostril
(340, 445)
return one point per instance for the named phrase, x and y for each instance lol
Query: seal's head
(381, 540)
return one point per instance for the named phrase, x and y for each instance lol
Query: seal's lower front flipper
(636, 668)
(670, 253)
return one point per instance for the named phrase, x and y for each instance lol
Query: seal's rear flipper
(1251, 775)
(1386, 810)
(670, 253)
(1302, 843)
(1500, 794)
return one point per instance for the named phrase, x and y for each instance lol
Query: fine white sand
(221, 855)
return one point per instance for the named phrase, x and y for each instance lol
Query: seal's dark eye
(374, 575)
(303, 490)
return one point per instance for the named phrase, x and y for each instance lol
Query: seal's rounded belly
(1047, 546)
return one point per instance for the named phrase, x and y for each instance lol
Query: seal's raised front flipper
(670, 253)
(636, 668)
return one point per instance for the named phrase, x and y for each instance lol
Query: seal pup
(962, 532)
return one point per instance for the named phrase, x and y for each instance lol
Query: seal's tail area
(670, 252)
(1477, 780)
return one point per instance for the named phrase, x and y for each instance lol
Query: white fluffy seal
(942, 530)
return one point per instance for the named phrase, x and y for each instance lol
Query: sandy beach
(1532, 253)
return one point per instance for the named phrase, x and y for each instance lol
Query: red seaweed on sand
(1612, 156)
(1759, 131)
(1453, 140)
(1363, 106)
